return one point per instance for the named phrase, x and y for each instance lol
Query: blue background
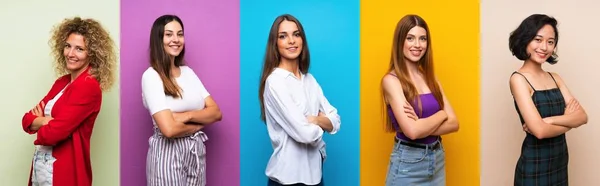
(332, 31)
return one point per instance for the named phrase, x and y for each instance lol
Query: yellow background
(454, 27)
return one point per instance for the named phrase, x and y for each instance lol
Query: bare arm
(412, 129)
(322, 121)
(451, 124)
(155, 98)
(575, 115)
(209, 115)
(171, 128)
(522, 94)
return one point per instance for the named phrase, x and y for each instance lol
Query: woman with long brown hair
(294, 108)
(180, 107)
(416, 108)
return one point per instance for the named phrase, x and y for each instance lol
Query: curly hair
(102, 56)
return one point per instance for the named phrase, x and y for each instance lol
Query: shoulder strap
(553, 79)
(525, 79)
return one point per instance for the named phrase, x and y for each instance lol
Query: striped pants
(176, 161)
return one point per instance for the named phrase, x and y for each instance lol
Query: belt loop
(398, 143)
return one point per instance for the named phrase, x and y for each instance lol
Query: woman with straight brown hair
(416, 108)
(294, 108)
(180, 107)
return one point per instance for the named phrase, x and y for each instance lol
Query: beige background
(578, 49)
(27, 74)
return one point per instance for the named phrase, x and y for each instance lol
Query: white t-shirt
(192, 97)
(48, 113)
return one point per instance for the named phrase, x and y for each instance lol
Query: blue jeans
(416, 166)
(43, 168)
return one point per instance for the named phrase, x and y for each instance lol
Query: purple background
(212, 50)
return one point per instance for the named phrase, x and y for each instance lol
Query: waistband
(43, 148)
(435, 145)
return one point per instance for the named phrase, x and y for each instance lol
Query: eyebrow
(173, 31)
(407, 35)
(292, 32)
(543, 37)
(82, 47)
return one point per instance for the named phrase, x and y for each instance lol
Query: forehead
(287, 26)
(76, 39)
(173, 26)
(546, 31)
(417, 31)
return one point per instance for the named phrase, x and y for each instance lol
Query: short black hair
(526, 32)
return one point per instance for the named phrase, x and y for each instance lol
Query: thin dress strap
(553, 79)
(525, 79)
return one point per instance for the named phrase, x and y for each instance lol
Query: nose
(417, 43)
(71, 52)
(291, 40)
(544, 46)
(175, 39)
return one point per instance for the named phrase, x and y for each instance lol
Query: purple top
(430, 107)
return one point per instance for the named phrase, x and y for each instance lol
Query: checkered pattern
(544, 162)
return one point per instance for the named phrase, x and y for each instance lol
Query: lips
(292, 49)
(72, 61)
(415, 52)
(541, 55)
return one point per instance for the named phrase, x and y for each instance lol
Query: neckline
(546, 90)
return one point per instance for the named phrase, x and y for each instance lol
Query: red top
(70, 130)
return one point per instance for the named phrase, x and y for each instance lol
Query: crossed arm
(442, 122)
(548, 127)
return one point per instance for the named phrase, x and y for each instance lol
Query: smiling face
(543, 44)
(289, 41)
(173, 39)
(75, 53)
(415, 44)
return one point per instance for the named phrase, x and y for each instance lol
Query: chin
(413, 60)
(73, 68)
(540, 61)
(291, 57)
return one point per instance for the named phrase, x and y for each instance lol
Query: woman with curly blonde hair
(85, 58)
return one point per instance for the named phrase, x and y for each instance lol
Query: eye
(80, 49)
(297, 34)
(168, 34)
(180, 34)
(551, 42)
(281, 36)
(410, 38)
(423, 39)
(538, 40)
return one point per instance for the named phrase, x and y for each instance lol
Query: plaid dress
(543, 162)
